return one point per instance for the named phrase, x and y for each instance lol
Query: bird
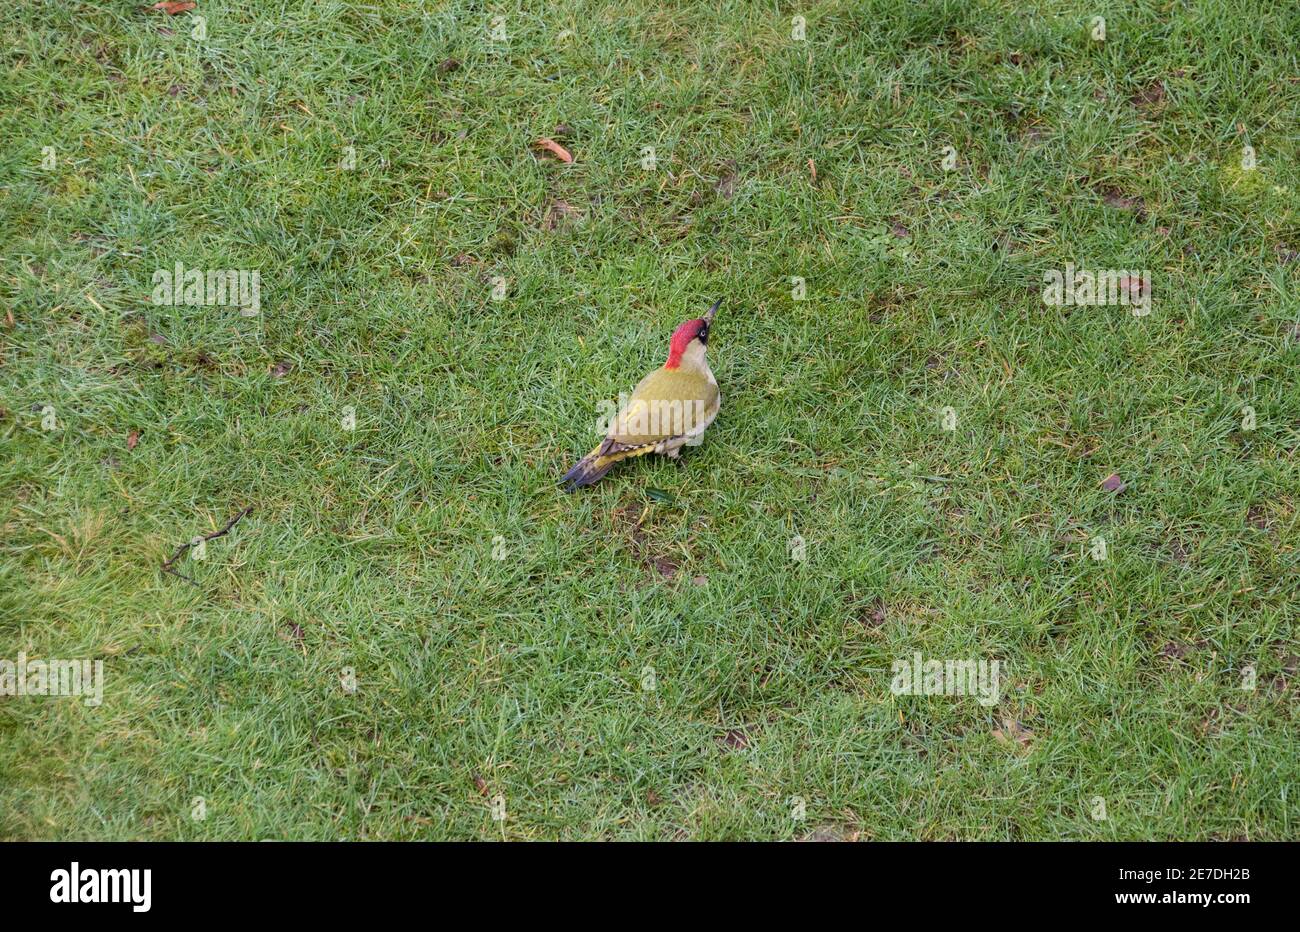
(669, 408)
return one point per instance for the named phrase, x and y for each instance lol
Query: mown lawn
(648, 659)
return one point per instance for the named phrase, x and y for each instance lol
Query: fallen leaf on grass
(481, 785)
(1134, 285)
(873, 615)
(550, 145)
(1012, 732)
(735, 739)
(1113, 483)
(172, 7)
(666, 567)
(132, 439)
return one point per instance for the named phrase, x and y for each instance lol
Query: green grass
(374, 549)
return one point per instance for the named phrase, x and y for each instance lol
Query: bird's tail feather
(592, 467)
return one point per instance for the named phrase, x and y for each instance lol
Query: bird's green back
(667, 403)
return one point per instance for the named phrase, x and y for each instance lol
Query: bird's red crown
(682, 338)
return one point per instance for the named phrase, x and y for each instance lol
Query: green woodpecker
(669, 408)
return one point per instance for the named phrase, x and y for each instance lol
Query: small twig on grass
(170, 565)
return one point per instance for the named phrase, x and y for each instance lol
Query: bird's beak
(708, 315)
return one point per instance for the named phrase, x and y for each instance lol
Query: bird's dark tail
(592, 467)
(588, 470)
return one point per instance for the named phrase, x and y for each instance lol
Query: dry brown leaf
(550, 145)
(172, 7)
(735, 739)
(1134, 285)
(873, 615)
(666, 567)
(132, 439)
(1012, 732)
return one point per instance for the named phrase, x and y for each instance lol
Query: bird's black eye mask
(703, 335)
